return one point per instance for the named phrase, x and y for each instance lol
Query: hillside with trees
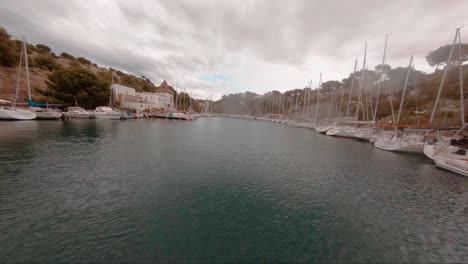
(64, 78)
(60, 79)
(335, 95)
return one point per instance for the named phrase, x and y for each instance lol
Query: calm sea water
(219, 190)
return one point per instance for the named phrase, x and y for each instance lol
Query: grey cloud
(178, 39)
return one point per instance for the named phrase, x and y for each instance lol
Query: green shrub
(8, 54)
(46, 61)
(66, 84)
(41, 48)
(67, 56)
(31, 48)
(84, 60)
(75, 64)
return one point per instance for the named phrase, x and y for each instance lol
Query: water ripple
(219, 190)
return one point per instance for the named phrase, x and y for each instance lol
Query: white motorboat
(46, 113)
(105, 112)
(77, 112)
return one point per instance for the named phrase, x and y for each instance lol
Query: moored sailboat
(451, 153)
(451, 156)
(8, 110)
(402, 141)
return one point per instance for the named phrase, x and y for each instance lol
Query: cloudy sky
(232, 46)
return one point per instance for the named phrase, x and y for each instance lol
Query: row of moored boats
(10, 112)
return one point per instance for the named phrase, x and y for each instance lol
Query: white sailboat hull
(48, 115)
(429, 150)
(341, 132)
(398, 145)
(323, 129)
(104, 112)
(12, 113)
(305, 125)
(114, 116)
(77, 115)
(459, 166)
(365, 135)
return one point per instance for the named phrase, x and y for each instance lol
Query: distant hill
(420, 96)
(42, 62)
(422, 89)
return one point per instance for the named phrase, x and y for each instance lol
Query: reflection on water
(219, 190)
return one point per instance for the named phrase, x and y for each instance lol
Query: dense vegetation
(71, 85)
(440, 55)
(8, 54)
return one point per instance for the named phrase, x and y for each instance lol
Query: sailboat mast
(183, 100)
(110, 93)
(304, 102)
(176, 95)
(404, 89)
(211, 100)
(361, 82)
(368, 101)
(309, 93)
(439, 92)
(351, 88)
(333, 101)
(380, 81)
(190, 103)
(19, 75)
(341, 101)
(462, 101)
(318, 96)
(27, 67)
(282, 103)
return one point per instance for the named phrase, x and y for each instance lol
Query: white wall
(147, 100)
(138, 106)
(123, 89)
(164, 99)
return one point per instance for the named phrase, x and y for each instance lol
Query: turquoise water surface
(219, 190)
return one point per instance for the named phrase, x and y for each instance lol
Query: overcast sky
(232, 46)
